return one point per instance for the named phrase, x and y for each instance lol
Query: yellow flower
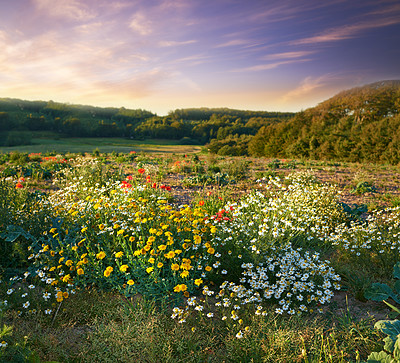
(174, 267)
(151, 239)
(137, 253)
(108, 271)
(80, 271)
(151, 260)
(84, 229)
(74, 248)
(211, 251)
(68, 263)
(119, 254)
(123, 268)
(46, 248)
(198, 282)
(170, 254)
(208, 268)
(149, 269)
(101, 255)
(197, 239)
(131, 238)
(184, 273)
(59, 296)
(53, 230)
(152, 231)
(121, 231)
(131, 282)
(162, 247)
(65, 295)
(101, 226)
(181, 287)
(61, 260)
(160, 264)
(66, 278)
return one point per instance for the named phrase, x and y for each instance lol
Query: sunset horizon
(166, 55)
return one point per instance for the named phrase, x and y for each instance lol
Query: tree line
(361, 124)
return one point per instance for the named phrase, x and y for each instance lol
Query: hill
(19, 119)
(360, 124)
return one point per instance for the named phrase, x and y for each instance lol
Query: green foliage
(381, 292)
(363, 187)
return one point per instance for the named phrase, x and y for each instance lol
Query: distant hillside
(360, 124)
(19, 118)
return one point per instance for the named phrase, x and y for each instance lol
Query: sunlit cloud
(268, 66)
(347, 31)
(233, 43)
(141, 24)
(288, 55)
(70, 9)
(175, 43)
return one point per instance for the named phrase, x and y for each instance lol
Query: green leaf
(378, 292)
(389, 344)
(381, 357)
(396, 270)
(389, 327)
(396, 352)
(397, 286)
(392, 306)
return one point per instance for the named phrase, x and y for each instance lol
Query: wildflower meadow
(135, 257)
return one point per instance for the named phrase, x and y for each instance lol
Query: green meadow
(181, 256)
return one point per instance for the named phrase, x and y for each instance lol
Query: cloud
(174, 43)
(288, 55)
(141, 24)
(315, 88)
(268, 66)
(347, 31)
(233, 43)
(66, 9)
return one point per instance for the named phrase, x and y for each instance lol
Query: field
(178, 256)
(51, 142)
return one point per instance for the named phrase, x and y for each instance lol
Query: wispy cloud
(175, 43)
(233, 43)
(317, 89)
(70, 9)
(288, 55)
(347, 31)
(268, 66)
(141, 24)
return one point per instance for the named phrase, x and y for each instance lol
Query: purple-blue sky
(160, 55)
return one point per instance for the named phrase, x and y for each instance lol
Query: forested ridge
(360, 124)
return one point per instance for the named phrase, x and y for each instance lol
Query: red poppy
(141, 171)
(168, 188)
(154, 185)
(21, 179)
(162, 186)
(19, 185)
(129, 177)
(201, 203)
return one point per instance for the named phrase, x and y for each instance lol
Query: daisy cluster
(33, 293)
(257, 236)
(377, 235)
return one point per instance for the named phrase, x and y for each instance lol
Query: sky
(162, 55)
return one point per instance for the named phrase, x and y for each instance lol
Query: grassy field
(104, 145)
(194, 258)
